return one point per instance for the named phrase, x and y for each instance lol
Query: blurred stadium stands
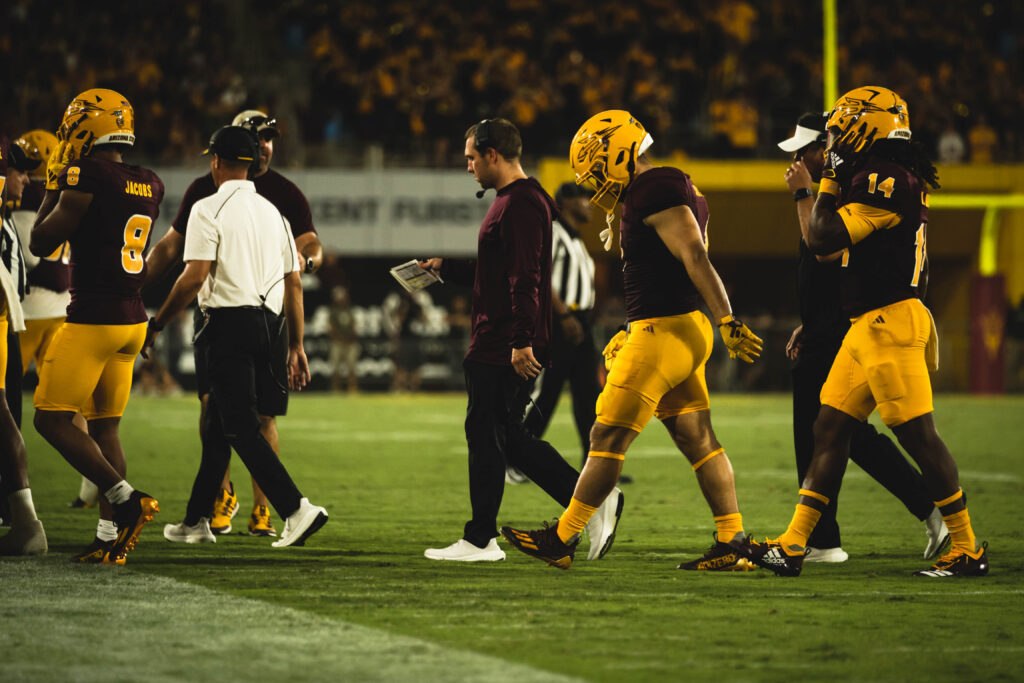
(388, 85)
(724, 79)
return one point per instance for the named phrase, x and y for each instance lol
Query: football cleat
(957, 563)
(224, 510)
(602, 526)
(259, 522)
(544, 544)
(770, 554)
(938, 535)
(722, 557)
(130, 517)
(97, 552)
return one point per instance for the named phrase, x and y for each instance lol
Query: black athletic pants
(578, 365)
(875, 453)
(243, 352)
(496, 435)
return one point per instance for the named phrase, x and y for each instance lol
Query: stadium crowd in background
(407, 75)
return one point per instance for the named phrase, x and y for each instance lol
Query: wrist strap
(153, 326)
(802, 193)
(726, 320)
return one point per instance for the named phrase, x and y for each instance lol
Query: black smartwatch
(802, 193)
(153, 326)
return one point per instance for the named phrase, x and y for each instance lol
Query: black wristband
(153, 326)
(802, 193)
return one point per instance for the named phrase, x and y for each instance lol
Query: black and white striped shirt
(11, 255)
(572, 268)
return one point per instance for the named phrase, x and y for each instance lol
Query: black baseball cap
(810, 128)
(21, 161)
(571, 191)
(234, 143)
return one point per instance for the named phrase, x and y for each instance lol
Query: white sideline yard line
(59, 621)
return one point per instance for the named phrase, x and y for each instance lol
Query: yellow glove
(741, 342)
(611, 349)
(62, 155)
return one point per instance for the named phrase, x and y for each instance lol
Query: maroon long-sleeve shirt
(511, 276)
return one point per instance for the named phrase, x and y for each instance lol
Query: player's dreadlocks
(911, 155)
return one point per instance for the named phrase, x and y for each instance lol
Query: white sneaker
(601, 527)
(301, 524)
(24, 539)
(938, 534)
(464, 551)
(197, 533)
(831, 555)
(514, 476)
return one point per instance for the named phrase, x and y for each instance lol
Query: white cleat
(830, 555)
(514, 476)
(464, 551)
(601, 527)
(301, 524)
(197, 533)
(938, 534)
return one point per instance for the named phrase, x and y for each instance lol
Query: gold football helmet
(603, 154)
(865, 115)
(37, 145)
(97, 117)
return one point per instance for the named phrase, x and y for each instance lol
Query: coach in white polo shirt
(240, 258)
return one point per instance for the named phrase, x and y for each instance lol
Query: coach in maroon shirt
(511, 280)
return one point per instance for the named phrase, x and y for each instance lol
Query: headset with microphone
(483, 141)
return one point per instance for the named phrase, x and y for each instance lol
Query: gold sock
(959, 525)
(804, 519)
(728, 526)
(574, 519)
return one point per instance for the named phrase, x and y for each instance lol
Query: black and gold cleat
(130, 517)
(722, 557)
(770, 554)
(97, 552)
(957, 563)
(544, 544)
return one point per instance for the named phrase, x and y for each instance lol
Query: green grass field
(360, 602)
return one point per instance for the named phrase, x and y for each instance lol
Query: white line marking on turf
(87, 623)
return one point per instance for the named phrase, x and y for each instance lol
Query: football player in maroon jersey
(105, 209)
(873, 207)
(658, 370)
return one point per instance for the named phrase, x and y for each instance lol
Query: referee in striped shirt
(574, 354)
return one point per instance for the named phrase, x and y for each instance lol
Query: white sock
(106, 530)
(22, 509)
(119, 492)
(88, 492)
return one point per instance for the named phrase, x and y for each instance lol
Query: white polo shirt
(249, 242)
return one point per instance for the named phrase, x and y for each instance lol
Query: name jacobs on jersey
(138, 189)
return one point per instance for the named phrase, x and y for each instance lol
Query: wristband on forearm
(802, 193)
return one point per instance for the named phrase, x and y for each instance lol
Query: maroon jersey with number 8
(108, 247)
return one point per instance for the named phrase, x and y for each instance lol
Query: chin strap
(608, 234)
